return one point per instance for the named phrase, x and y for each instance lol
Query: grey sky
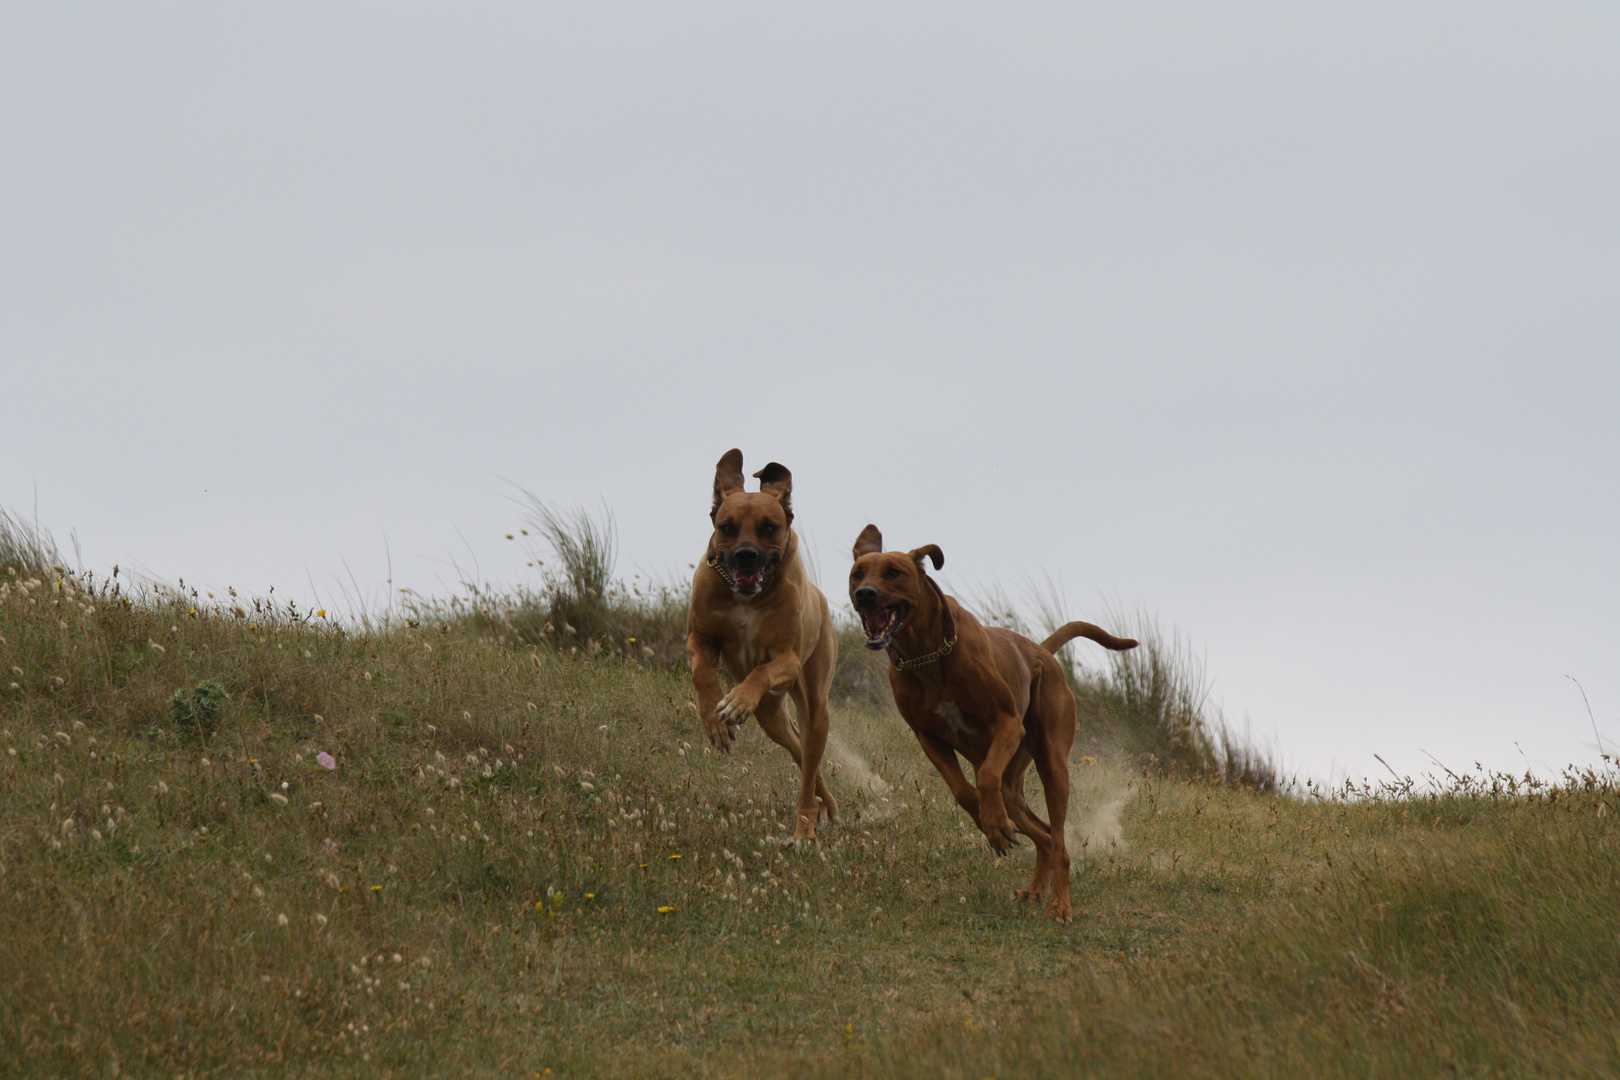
(1294, 325)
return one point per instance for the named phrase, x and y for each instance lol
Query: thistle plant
(196, 711)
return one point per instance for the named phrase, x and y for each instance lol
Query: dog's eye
(767, 528)
(892, 572)
(729, 528)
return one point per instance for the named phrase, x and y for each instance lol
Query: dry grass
(1468, 931)
(524, 860)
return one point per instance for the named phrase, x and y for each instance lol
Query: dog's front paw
(736, 708)
(720, 733)
(1003, 835)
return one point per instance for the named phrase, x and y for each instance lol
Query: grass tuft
(1151, 702)
(1155, 700)
(586, 547)
(27, 549)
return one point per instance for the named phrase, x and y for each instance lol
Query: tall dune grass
(1156, 700)
(1152, 702)
(26, 548)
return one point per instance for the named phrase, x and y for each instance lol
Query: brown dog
(991, 695)
(754, 606)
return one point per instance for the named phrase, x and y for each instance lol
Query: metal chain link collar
(714, 564)
(923, 661)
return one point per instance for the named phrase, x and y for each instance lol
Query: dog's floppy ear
(929, 551)
(728, 477)
(775, 479)
(870, 542)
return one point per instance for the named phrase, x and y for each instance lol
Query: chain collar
(922, 661)
(938, 654)
(719, 568)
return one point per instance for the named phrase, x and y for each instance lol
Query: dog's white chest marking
(747, 619)
(948, 712)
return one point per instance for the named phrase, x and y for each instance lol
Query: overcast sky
(1297, 326)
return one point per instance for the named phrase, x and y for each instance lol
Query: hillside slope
(437, 852)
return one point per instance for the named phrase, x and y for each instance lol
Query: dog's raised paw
(734, 713)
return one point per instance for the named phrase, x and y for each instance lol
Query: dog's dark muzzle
(750, 568)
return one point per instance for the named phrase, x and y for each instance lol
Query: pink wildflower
(327, 760)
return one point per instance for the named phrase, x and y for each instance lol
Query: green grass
(476, 888)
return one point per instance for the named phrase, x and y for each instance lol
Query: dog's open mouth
(750, 582)
(880, 623)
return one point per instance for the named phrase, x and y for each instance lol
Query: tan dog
(991, 695)
(754, 606)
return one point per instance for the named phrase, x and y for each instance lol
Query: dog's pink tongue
(876, 621)
(748, 581)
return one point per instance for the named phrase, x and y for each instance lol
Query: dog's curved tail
(1069, 631)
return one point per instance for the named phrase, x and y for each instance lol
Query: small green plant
(196, 712)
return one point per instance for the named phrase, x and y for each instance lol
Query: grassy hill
(237, 840)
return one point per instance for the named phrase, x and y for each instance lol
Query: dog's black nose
(745, 557)
(865, 596)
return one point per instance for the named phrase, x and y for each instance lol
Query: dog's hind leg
(773, 719)
(1056, 738)
(1029, 823)
(1053, 768)
(815, 722)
